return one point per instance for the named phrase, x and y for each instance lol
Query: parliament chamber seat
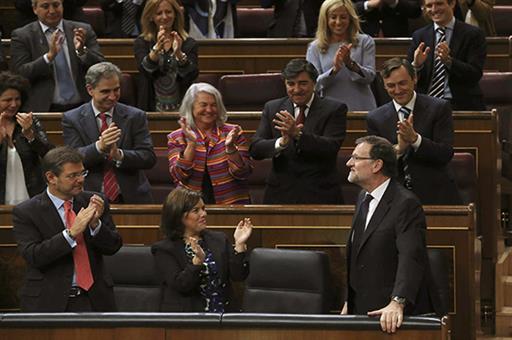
(253, 21)
(159, 177)
(287, 281)
(497, 91)
(96, 18)
(136, 286)
(250, 92)
(128, 90)
(502, 23)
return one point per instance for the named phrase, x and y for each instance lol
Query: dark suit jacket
(394, 22)
(186, 74)
(180, 278)
(113, 11)
(29, 45)
(304, 172)
(80, 131)
(285, 16)
(30, 155)
(468, 50)
(72, 11)
(392, 257)
(428, 165)
(38, 232)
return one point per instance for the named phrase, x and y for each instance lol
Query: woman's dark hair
(179, 202)
(13, 81)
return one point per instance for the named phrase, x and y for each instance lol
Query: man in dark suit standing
(122, 17)
(113, 138)
(72, 11)
(302, 133)
(449, 57)
(421, 127)
(387, 262)
(293, 18)
(63, 234)
(387, 18)
(54, 54)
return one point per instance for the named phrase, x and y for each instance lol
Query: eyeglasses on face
(76, 175)
(359, 158)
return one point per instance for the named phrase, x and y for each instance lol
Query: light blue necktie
(64, 78)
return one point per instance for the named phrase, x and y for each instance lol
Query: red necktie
(83, 272)
(110, 185)
(302, 115)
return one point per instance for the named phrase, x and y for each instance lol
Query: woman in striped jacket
(207, 154)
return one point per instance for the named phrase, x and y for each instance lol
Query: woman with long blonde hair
(166, 57)
(344, 57)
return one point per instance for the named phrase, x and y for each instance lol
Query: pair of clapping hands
(57, 39)
(23, 119)
(191, 137)
(241, 235)
(89, 216)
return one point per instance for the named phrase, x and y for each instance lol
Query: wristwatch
(399, 299)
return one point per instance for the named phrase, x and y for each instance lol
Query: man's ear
(377, 165)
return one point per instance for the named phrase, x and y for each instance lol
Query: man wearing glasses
(63, 234)
(387, 263)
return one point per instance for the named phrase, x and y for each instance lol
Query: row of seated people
(64, 250)
(122, 19)
(213, 156)
(167, 58)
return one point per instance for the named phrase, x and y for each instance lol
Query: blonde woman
(344, 57)
(166, 57)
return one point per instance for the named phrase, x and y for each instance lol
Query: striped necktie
(405, 111)
(110, 184)
(439, 75)
(128, 17)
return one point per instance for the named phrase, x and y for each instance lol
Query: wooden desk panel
(326, 228)
(261, 55)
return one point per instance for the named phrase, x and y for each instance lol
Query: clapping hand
(98, 204)
(233, 136)
(188, 133)
(199, 254)
(242, 233)
(79, 38)
(421, 54)
(341, 57)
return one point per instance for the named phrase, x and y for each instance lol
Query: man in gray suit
(113, 138)
(54, 55)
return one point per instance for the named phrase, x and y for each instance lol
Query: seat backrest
(250, 92)
(463, 167)
(440, 277)
(253, 22)
(136, 286)
(287, 281)
(96, 18)
(159, 177)
(128, 90)
(501, 16)
(210, 78)
(257, 179)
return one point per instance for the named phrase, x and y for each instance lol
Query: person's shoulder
(276, 102)
(76, 24)
(28, 205)
(129, 110)
(165, 245)
(378, 110)
(469, 31)
(70, 114)
(422, 30)
(330, 104)
(31, 26)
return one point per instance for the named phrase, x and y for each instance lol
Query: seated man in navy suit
(113, 138)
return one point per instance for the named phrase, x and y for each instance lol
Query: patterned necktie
(64, 79)
(110, 185)
(302, 115)
(128, 17)
(83, 272)
(439, 75)
(359, 228)
(405, 111)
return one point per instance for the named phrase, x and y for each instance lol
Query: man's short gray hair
(104, 70)
(34, 2)
(187, 104)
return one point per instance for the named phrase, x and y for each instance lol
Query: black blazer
(113, 12)
(468, 49)
(30, 155)
(285, 17)
(394, 22)
(428, 165)
(80, 131)
(37, 229)
(305, 172)
(180, 278)
(392, 257)
(186, 74)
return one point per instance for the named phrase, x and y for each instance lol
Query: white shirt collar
(57, 202)
(449, 26)
(409, 105)
(379, 191)
(97, 112)
(44, 27)
(308, 104)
